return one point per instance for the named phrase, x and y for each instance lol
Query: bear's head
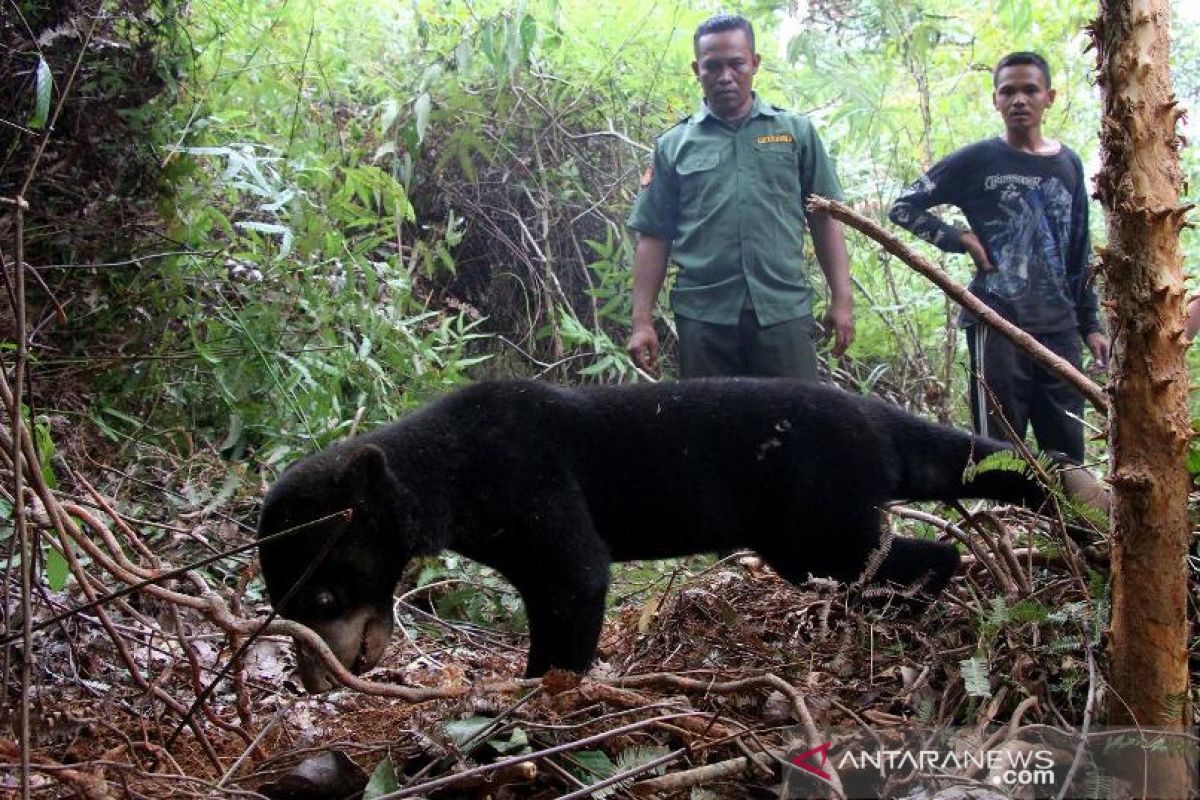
(337, 571)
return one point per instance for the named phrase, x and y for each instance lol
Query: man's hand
(643, 347)
(977, 252)
(649, 272)
(1097, 342)
(829, 242)
(839, 325)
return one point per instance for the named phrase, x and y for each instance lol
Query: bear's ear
(375, 490)
(365, 469)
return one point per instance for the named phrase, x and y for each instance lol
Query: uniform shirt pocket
(778, 168)
(699, 182)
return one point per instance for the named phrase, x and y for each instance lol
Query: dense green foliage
(378, 200)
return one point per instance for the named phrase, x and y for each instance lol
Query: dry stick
(608, 692)
(253, 746)
(982, 554)
(197, 676)
(669, 785)
(85, 583)
(1007, 554)
(203, 695)
(963, 297)
(102, 502)
(1089, 709)
(213, 606)
(24, 544)
(1013, 574)
(159, 577)
(769, 679)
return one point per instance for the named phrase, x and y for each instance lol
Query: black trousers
(784, 350)
(1022, 392)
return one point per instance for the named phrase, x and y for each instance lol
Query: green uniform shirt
(731, 203)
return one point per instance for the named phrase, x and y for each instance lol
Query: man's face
(725, 65)
(1021, 96)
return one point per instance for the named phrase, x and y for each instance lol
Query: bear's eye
(324, 602)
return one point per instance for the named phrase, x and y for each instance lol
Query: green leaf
(462, 731)
(383, 780)
(391, 109)
(45, 85)
(528, 33)
(513, 50)
(231, 484)
(1002, 461)
(235, 433)
(596, 763)
(57, 570)
(487, 42)
(282, 231)
(518, 742)
(421, 109)
(1193, 460)
(45, 449)
(462, 56)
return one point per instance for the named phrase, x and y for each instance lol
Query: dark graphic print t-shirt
(1031, 214)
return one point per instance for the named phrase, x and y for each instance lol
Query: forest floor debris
(710, 672)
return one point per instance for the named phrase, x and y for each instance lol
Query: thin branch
(959, 293)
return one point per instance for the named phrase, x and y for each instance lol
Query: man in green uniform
(724, 199)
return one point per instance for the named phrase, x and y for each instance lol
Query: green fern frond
(975, 677)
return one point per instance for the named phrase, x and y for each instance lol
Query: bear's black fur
(549, 485)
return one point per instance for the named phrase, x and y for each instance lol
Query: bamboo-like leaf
(391, 110)
(421, 109)
(282, 231)
(528, 33)
(44, 89)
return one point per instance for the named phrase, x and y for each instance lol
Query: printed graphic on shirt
(1029, 238)
(923, 224)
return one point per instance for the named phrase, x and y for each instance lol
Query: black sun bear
(549, 485)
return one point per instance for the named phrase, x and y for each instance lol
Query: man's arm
(911, 211)
(649, 274)
(830, 245)
(1079, 276)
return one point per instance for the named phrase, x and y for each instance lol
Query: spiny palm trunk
(1139, 185)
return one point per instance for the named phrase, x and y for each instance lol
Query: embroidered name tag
(776, 138)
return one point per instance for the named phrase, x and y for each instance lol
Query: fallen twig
(709, 773)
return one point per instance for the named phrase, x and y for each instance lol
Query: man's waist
(722, 304)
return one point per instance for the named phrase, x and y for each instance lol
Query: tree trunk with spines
(1139, 185)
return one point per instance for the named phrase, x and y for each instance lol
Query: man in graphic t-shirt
(1025, 199)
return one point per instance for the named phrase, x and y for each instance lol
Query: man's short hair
(721, 23)
(1021, 58)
